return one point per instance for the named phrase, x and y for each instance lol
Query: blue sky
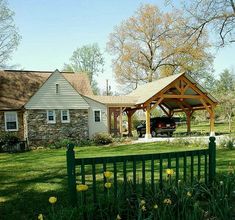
(51, 30)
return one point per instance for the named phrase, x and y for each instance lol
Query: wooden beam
(166, 96)
(120, 121)
(147, 118)
(194, 87)
(129, 115)
(156, 104)
(212, 122)
(163, 109)
(205, 105)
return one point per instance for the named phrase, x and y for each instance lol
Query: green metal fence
(139, 170)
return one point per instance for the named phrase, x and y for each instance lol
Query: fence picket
(173, 160)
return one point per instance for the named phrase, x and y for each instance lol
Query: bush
(61, 143)
(7, 140)
(228, 143)
(102, 139)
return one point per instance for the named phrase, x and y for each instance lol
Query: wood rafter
(166, 96)
(156, 104)
(165, 111)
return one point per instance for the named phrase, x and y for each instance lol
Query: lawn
(28, 179)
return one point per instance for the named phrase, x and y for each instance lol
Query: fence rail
(141, 169)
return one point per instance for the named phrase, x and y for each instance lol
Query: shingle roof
(16, 86)
(115, 100)
(148, 90)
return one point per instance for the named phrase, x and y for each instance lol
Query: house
(42, 107)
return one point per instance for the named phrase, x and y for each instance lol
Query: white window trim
(94, 115)
(61, 114)
(5, 117)
(51, 122)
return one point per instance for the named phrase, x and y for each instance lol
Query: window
(51, 116)
(56, 88)
(11, 121)
(65, 116)
(97, 115)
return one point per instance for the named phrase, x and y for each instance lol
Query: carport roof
(148, 90)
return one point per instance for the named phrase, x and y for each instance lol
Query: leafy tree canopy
(9, 36)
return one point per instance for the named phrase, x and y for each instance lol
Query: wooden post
(147, 118)
(212, 123)
(129, 115)
(120, 121)
(71, 174)
(212, 159)
(188, 115)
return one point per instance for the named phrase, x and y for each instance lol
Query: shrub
(7, 140)
(102, 139)
(228, 143)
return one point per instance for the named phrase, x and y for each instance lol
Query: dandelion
(221, 183)
(169, 172)
(40, 217)
(82, 187)
(142, 202)
(118, 217)
(108, 174)
(189, 194)
(108, 185)
(143, 208)
(155, 206)
(52, 200)
(167, 201)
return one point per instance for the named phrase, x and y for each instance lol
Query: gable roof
(16, 86)
(148, 90)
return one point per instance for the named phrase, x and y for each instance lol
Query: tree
(151, 44)
(9, 37)
(225, 90)
(87, 59)
(218, 15)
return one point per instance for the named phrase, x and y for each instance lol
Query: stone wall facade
(42, 133)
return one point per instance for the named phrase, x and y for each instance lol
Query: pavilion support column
(147, 118)
(120, 121)
(129, 115)
(188, 115)
(212, 123)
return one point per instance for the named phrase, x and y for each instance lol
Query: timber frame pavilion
(175, 93)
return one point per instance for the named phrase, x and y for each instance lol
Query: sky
(52, 29)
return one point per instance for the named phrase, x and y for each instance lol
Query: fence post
(212, 159)
(71, 173)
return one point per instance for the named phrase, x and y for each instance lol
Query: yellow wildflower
(40, 217)
(108, 185)
(108, 174)
(142, 202)
(52, 200)
(155, 206)
(169, 172)
(189, 194)
(143, 208)
(82, 187)
(167, 201)
(118, 217)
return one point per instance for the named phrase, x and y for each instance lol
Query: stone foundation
(41, 133)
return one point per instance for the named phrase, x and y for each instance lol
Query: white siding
(96, 127)
(47, 98)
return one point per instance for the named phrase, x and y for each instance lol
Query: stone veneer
(41, 133)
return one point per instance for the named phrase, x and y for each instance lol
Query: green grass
(204, 128)
(28, 179)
